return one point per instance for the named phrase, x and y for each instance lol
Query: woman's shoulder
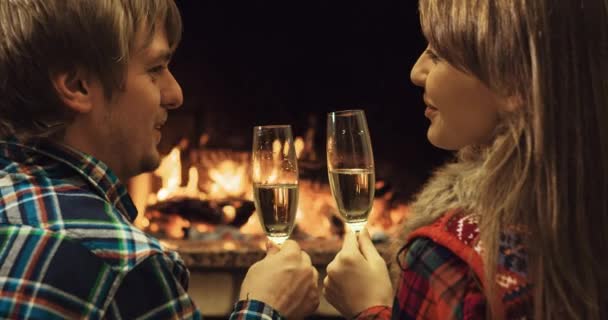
(435, 283)
(451, 245)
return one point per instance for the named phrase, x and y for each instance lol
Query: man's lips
(160, 125)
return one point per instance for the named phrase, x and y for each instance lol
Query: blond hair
(547, 167)
(41, 38)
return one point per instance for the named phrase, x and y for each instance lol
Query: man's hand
(357, 278)
(285, 279)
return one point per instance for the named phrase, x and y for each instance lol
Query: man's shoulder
(47, 275)
(43, 200)
(70, 209)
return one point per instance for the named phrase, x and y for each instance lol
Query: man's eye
(157, 69)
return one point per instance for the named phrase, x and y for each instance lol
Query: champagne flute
(350, 164)
(275, 180)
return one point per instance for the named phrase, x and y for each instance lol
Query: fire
(227, 180)
(220, 175)
(252, 226)
(225, 174)
(315, 207)
(298, 144)
(170, 172)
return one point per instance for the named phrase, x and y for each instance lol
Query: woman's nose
(420, 71)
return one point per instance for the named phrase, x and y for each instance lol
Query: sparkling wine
(353, 190)
(276, 205)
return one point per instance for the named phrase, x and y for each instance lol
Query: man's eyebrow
(161, 56)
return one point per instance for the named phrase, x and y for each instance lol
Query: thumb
(271, 248)
(350, 241)
(367, 246)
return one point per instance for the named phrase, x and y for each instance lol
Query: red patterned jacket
(443, 272)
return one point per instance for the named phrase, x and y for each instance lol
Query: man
(85, 90)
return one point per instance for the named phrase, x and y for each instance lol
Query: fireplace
(210, 197)
(199, 202)
(276, 62)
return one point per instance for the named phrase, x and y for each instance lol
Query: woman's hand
(357, 278)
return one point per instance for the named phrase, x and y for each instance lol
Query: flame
(227, 180)
(252, 226)
(224, 174)
(299, 146)
(276, 148)
(315, 207)
(286, 149)
(170, 172)
(192, 186)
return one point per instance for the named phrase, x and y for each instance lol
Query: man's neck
(84, 143)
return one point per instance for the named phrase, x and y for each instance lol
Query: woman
(517, 227)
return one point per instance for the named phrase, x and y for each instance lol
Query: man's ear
(74, 89)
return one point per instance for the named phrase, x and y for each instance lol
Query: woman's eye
(432, 55)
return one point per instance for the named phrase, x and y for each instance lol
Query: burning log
(213, 212)
(213, 203)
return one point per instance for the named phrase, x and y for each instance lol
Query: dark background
(246, 63)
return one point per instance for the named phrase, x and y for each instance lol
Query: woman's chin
(440, 142)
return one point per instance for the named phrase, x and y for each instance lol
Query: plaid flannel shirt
(68, 248)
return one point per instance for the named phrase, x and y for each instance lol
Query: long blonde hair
(547, 168)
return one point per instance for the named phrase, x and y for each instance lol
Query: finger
(315, 300)
(367, 246)
(290, 246)
(325, 283)
(271, 248)
(311, 306)
(331, 267)
(315, 278)
(329, 295)
(331, 298)
(350, 241)
(306, 258)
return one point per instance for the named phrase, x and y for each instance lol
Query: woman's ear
(74, 90)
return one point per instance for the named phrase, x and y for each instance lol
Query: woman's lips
(430, 112)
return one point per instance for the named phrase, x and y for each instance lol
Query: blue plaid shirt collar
(101, 178)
